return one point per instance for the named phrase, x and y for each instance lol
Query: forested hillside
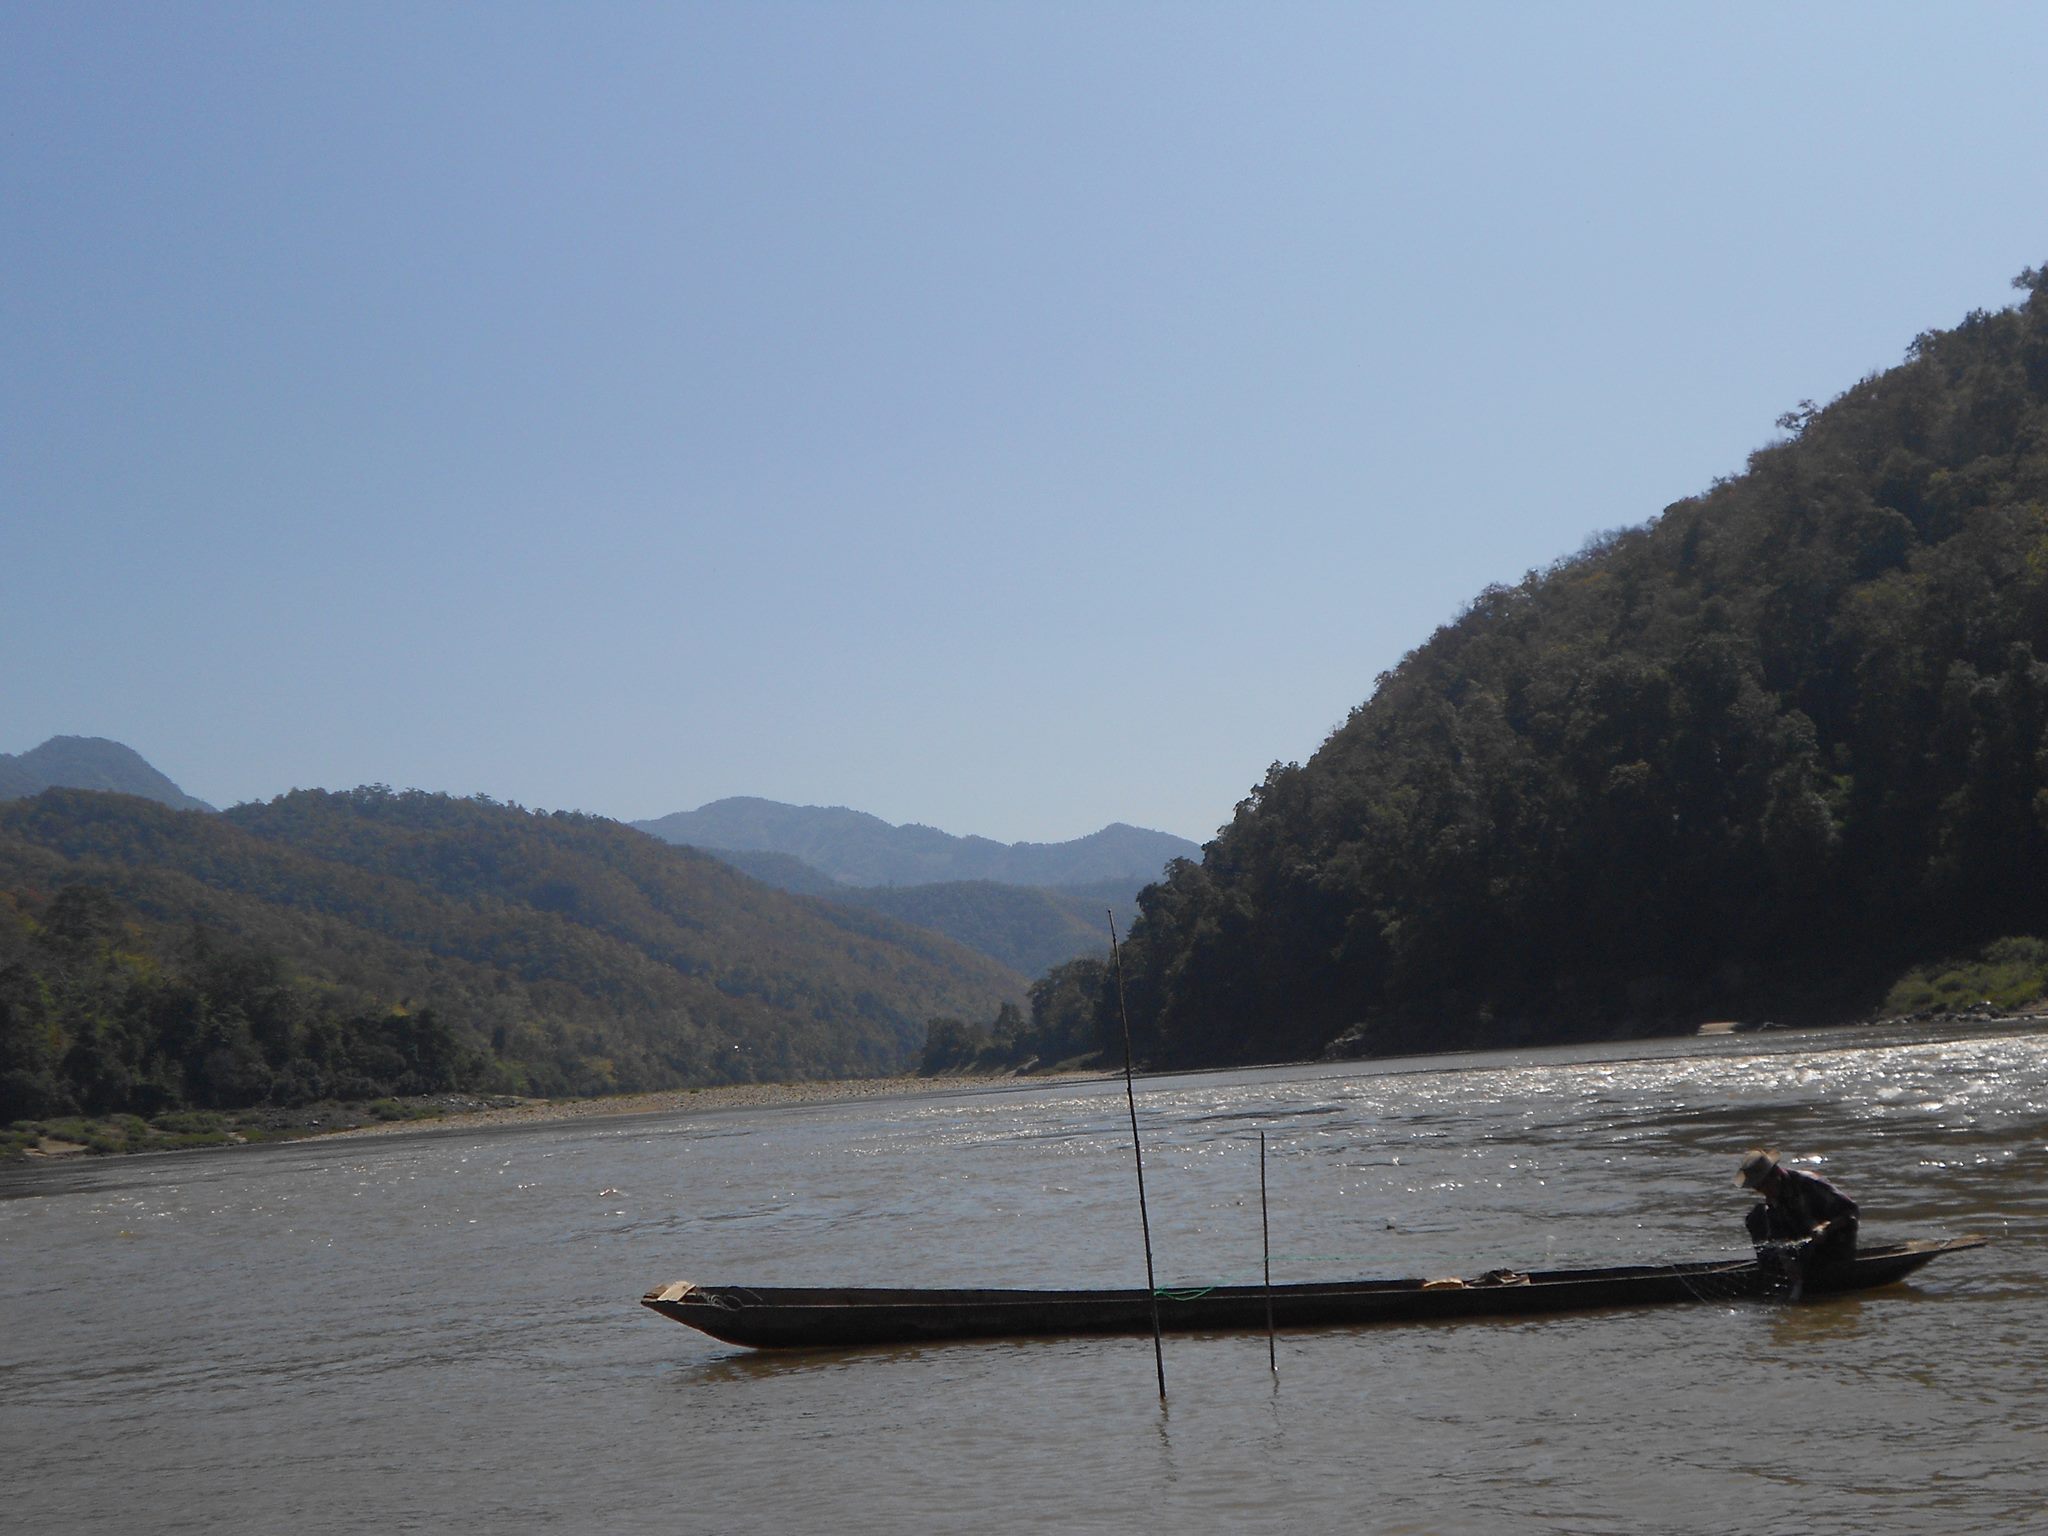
(783, 871)
(370, 942)
(1752, 758)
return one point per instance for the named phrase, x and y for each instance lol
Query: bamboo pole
(1266, 1238)
(1138, 1152)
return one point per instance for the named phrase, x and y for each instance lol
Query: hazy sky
(1013, 418)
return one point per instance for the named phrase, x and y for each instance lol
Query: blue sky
(1012, 418)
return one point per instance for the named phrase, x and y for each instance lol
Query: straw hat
(1757, 1166)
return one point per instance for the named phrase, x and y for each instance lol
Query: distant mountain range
(1028, 906)
(1031, 906)
(858, 849)
(1030, 928)
(89, 762)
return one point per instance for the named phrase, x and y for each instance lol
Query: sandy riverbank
(709, 1100)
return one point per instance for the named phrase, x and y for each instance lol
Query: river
(440, 1331)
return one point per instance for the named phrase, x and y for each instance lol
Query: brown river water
(440, 1331)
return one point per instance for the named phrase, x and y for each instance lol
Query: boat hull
(799, 1317)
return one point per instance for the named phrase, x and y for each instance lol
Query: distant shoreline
(736, 1096)
(727, 1096)
(431, 1113)
(457, 1112)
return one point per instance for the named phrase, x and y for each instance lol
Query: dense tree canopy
(1752, 757)
(1073, 1022)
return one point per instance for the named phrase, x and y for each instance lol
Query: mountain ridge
(1030, 928)
(858, 848)
(1026, 925)
(90, 762)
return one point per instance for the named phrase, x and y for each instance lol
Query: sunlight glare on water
(438, 1331)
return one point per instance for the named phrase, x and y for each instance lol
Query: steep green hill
(1749, 759)
(292, 949)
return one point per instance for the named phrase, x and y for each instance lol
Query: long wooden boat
(805, 1317)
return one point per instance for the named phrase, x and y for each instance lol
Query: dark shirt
(1804, 1200)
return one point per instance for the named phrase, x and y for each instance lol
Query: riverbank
(728, 1096)
(80, 1136)
(732, 1096)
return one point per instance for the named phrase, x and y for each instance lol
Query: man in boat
(1814, 1221)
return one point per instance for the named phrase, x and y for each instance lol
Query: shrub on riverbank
(2010, 973)
(115, 1133)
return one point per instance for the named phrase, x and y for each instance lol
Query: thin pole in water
(1138, 1152)
(1266, 1235)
